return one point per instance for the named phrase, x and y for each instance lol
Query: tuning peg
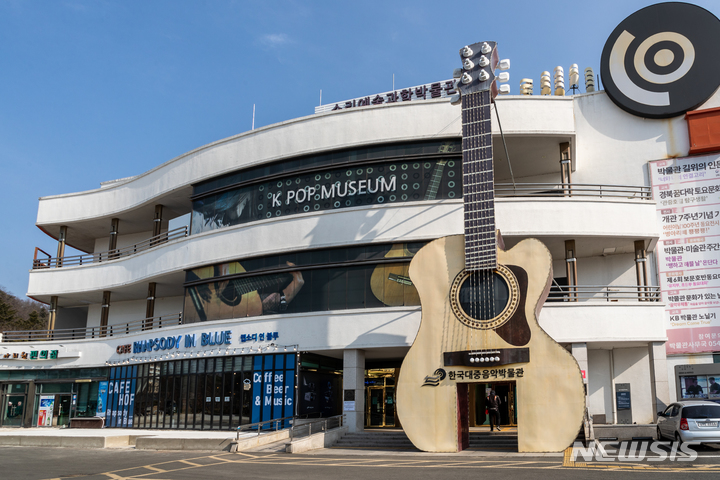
(574, 75)
(466, 51)
(589, 80)
(526, 86)
(504, 64)
(545, 87)
(484, 76)
(503, 77)
(504, 89)
(457, 73)
(466, 78)
(468, 64)
(455, 99)
(485, 48)
(483, 62)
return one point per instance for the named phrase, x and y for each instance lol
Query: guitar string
(472, 187)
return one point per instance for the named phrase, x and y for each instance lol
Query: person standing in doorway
(493, 406)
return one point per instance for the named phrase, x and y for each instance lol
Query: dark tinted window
(377, 152)
(701, 411)
(329, 189)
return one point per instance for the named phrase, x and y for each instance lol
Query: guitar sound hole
(484, 295)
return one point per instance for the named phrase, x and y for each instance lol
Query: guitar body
(389, 282)
(550, 393)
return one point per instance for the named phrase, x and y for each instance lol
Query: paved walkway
(117, 432)
(126, 437)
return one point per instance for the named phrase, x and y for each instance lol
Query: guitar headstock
(478, 71)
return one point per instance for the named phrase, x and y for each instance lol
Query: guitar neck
(435, 180)
(478, 182)
(247, 285)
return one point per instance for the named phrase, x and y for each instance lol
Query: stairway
(503, 441)
(395, 439)
(388, 440)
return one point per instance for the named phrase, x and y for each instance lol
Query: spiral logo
(662, 60)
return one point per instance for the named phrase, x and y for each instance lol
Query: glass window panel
(300, 293)
(319, 292)
(356, 287)
(247, 363)
(337, 289)
(190, 312)
(238, 363)
(338, 255)
(190, 401)
(56, 388)
(320, 257)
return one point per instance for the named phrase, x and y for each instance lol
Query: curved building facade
(266, 275)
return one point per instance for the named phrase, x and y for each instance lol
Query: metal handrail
(275, 425)
(57, 262)
(572, 190)
(150, 323)
(262, 425)
(325, 424)
(609, 293)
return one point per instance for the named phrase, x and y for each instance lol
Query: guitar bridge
(487, 358)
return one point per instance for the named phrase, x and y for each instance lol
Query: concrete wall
(630, 365)
(128, 311)
(601, 321)
(386, 223)
(101, 244)
(600, 397)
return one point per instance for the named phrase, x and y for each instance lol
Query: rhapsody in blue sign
(176, 341)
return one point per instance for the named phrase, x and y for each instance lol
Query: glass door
(14, 405)
(62, 410)
(376, 407)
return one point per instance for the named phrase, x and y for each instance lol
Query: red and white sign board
(687, 192)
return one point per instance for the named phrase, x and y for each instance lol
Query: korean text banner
(687, 192)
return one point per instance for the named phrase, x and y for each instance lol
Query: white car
(690, 421)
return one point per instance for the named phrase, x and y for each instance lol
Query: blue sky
(97, 90)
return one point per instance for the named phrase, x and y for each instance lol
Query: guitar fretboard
(478, 183)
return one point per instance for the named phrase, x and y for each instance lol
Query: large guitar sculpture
(480, 305)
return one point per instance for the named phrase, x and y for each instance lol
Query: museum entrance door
(508, 403)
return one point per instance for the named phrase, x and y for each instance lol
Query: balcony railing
(163, 321)
(572, 190)
(605, 293)
(57, 262)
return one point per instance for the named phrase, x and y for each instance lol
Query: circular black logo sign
(663, 60)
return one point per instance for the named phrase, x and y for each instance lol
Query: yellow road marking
(157, 470)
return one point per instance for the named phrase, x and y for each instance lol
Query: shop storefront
(49, 398)
(218, 393)
(700, 382)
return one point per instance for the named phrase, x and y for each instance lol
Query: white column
(579, 351)
(659, 385)
(354, 389)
